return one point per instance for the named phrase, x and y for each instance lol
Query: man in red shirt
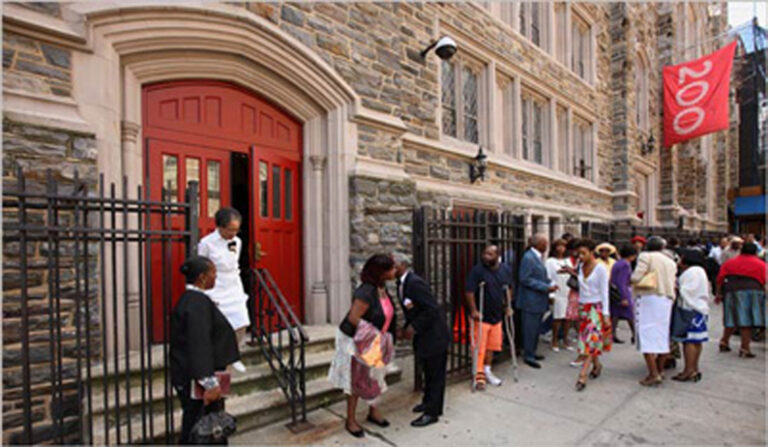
(741, 281)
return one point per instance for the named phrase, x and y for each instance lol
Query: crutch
(509, 321)
(476, 343)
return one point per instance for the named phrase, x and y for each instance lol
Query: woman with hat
(605, 252)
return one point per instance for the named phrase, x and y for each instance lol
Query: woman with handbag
(654, 284)
(202, 345)
(372, 305)
(691, 312)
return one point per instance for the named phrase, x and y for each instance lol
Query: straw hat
(605, 246)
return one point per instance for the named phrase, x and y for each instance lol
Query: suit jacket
(425, 316)
(202, 340)
(533, 284)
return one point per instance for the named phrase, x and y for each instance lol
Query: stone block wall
(36, 150)
(36, 67)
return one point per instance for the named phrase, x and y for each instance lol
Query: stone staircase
(255, 399)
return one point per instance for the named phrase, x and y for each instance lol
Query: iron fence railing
(94, 357)
(279, 333)
(446, 245)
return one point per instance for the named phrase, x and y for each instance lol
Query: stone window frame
(642, 94)
(525, 20)
(529, 98)
(479, 68)
(584, 147)
(560, 46)
(563, 143)
(580, 17)
(506, 114)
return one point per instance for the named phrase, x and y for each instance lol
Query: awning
(749, 206)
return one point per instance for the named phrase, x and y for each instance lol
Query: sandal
(746, 353)
(581, 383)
(651, 381)
(595, 373)
(724, 347)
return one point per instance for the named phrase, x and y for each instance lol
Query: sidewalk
(726, 407)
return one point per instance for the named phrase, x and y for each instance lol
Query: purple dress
(620, 277)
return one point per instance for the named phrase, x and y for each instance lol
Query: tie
(399, 289)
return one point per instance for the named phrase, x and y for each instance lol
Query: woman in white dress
(653, 282)
(559, 277)
(223, 247)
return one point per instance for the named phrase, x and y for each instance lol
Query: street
(726, 408)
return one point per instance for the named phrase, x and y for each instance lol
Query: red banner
(696, 96)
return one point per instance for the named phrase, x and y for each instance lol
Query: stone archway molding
(144, 43)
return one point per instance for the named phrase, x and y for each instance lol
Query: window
(214, 187)
(533, 129)
(276, 192)
(582, 150)
(532, 15)
(288, 194)
(170, 178)
(459, 98)
(641, 94)
(560, 32)
(581, 55)
(263, 189)
(193, 175)
(563, 129)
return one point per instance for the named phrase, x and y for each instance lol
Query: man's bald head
(540, 242)
(491, 255)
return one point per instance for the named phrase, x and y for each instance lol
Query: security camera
(445, 47)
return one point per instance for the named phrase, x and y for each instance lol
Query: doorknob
(257, 253)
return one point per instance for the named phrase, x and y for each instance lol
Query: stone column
(317, 307)
(131, 169)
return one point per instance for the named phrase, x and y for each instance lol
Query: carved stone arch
(141, 44)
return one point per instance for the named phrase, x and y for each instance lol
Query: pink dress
(389, 312)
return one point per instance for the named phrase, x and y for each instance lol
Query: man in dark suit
(533, 296)
(425, 322)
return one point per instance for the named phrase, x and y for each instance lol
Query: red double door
(244, 153)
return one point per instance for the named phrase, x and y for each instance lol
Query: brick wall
(37, 149)
(36, 67)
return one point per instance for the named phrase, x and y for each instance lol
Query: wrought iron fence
(446, 245)
(283, 341)
(93, 357)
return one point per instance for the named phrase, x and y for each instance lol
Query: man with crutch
(492, 280)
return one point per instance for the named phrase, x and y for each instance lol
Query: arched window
(642, 97)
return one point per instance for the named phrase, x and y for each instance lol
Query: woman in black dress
(202, 342)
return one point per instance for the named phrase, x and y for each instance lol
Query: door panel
(171, 166)
(277, 229)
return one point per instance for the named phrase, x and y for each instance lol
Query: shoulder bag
(649, 282)
(680, 322)
(573, 281)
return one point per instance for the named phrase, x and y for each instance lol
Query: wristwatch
(209, 383)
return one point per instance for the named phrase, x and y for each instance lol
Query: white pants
(653, 315)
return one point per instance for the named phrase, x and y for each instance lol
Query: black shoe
(533, 364)
(357, 434)
(424, 420)
(419, 408)
(382, 423)
(538, 357)
(617, 341)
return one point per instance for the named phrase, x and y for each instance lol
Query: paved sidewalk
(726, 407)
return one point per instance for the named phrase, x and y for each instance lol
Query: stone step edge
(253, 374)
(243, 406)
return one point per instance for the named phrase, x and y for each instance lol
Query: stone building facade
(562, 97)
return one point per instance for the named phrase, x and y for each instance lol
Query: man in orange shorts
(496, 278)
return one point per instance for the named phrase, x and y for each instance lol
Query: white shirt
(538, 253)
(554, 265)
(716, 253)
(694, 289)
(228, 293)
(594, 288)
(402, 284)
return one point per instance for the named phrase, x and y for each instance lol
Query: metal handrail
(289, 368)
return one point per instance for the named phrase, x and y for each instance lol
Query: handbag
(649, 282)
(213, 428)
(573, 281)
(680, 322)
(614, 294)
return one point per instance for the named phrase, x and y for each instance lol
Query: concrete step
(321, 338)
(253, 410)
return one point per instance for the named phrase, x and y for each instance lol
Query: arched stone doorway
(136, 46)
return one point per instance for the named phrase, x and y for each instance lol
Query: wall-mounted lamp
(445, 48)
(478, 166)
(647, 147)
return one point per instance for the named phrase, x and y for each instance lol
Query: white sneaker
(570, 348)
(555, 349)
(576, 363)
(239, 367)
(492, 379)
